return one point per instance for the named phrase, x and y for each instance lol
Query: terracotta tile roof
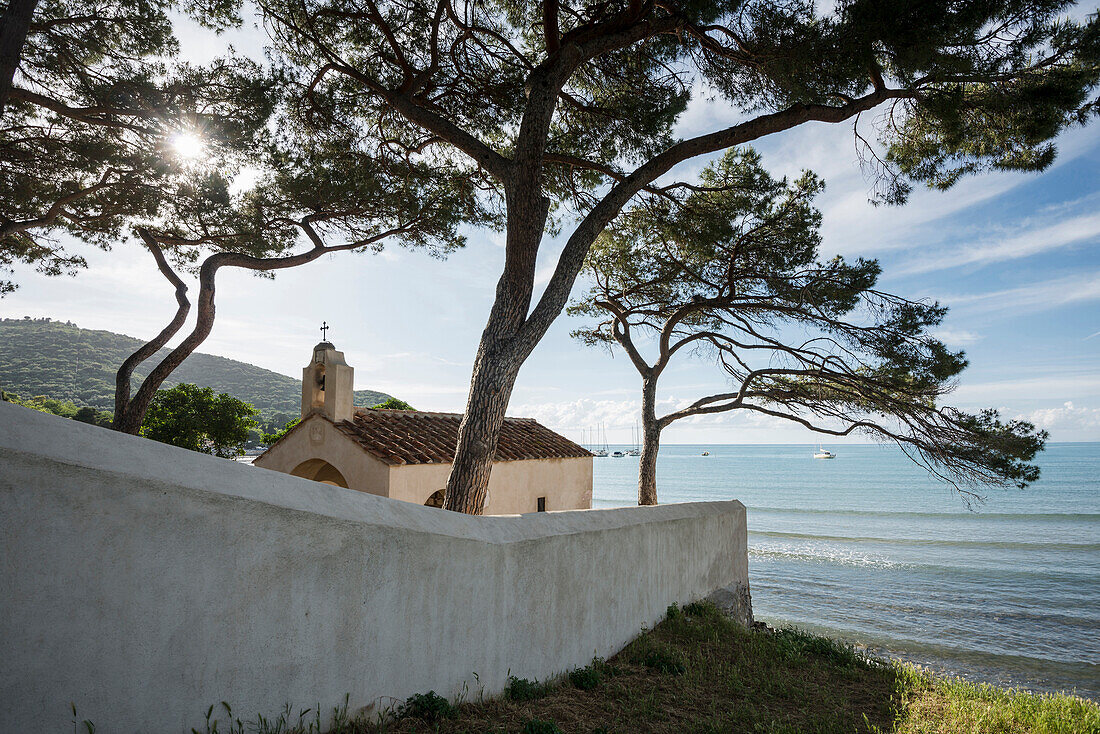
(417, 437)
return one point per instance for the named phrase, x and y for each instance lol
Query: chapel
(407, 454)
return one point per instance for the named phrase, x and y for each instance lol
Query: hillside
(61, 360)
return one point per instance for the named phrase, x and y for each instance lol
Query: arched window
(436, 500)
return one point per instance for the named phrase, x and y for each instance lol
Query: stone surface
(735, 602)
(143, 583)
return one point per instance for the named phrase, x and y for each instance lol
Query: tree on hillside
(196, 418)
(270, 437)
(565, 112)
(63, 361)
(96, 111)
(393, 404)
(63, 408)
(732, 272)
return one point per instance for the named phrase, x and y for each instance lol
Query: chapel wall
(317, 438)
(514, 486)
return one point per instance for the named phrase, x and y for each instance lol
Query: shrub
(521, 689)
(393, 404)
(429, 707)
(585, 678)
(593, 674)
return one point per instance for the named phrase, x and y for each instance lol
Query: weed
(702, 610)
(429, 707)
(664, 660)
(793, 644)
(521, 689)
(87, 726)
(728, 680)
(586, 678)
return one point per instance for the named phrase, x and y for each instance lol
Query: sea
(868, 548)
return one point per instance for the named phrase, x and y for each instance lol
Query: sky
(1016, 256)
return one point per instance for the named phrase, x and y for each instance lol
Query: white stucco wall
(143, 583)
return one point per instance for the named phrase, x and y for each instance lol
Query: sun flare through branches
(187, 147)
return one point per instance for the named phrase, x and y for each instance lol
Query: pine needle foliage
(732, 273)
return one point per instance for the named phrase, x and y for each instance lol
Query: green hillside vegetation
(63, 408)
(66, 363)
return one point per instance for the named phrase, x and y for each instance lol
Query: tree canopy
(402, 118)
(393, 404)
(97, 115)
(563, 113)
(732, 272)
(107, 133)
(196, 418)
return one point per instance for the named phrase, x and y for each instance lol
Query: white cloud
(956, 337)
(1066, 418)
(584, 413)
(852, 226)
(544, 274)
(1050, 386)
(1044, 238)
(1034, 296)
(582, 419)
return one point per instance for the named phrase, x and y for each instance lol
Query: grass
(698, 672)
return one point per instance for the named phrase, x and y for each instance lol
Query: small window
(542, 504)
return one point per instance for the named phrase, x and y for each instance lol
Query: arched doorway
(436, 500)
(320, 470)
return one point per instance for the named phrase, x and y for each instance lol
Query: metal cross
(324, 328)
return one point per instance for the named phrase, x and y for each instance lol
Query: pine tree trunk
(127, 419)
(13, 34)
(478, 435)
(500, 354)
(130, 412)
(651, 444)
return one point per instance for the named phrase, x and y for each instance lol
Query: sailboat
(824, 453)
(635, 435)
(601, 451)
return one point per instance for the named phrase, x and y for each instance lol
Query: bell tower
(327, 384)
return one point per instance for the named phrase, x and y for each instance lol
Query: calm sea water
(868, 548)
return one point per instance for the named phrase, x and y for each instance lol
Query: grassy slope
(69, 363)
(698, 672)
